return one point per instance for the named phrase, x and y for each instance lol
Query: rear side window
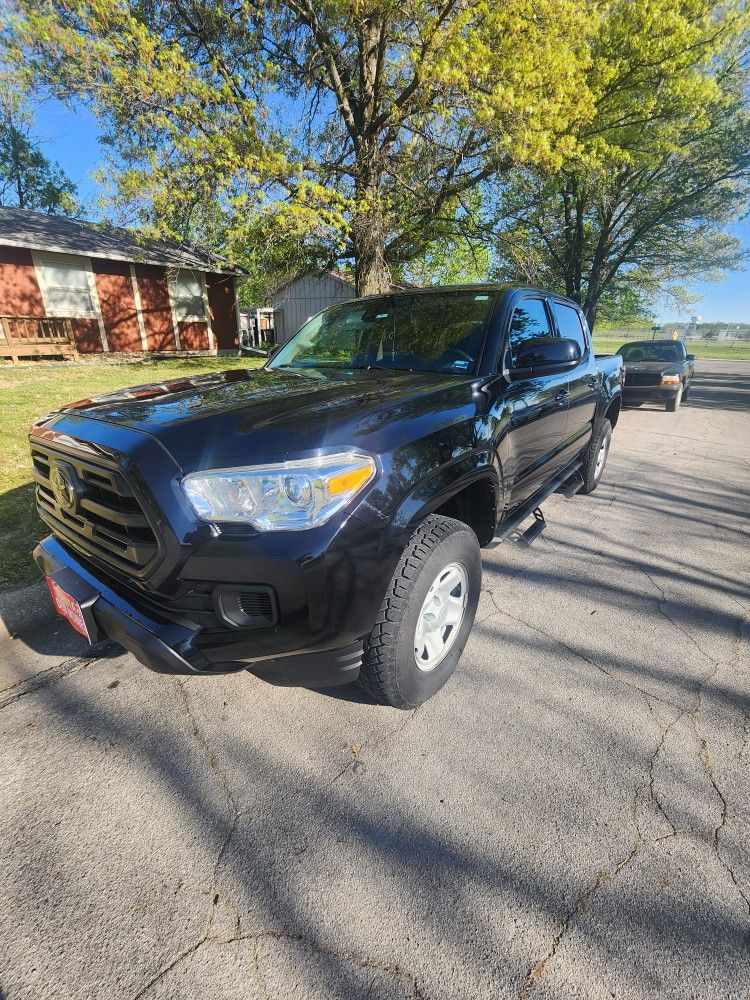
(569, 324)
(529, 323)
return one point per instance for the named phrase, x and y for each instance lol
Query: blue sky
(71, 138)
(727, 300)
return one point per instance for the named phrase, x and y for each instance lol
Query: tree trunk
(590, 309)
(15, 160)
(370, 271)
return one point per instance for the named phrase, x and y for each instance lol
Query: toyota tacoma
(320, 519)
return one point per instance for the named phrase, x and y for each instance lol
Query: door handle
(563, 396)
(593, 382)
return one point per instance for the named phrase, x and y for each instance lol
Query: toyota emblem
(63, 487)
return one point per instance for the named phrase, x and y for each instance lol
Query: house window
(188, 303)
(68, 288)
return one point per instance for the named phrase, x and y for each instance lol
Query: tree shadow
(440, 870)
(712, 390)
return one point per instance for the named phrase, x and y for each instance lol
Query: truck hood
(244, 416)
(665, 367)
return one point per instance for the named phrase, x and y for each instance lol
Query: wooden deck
(36, 337)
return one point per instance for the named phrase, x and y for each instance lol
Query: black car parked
(656, 371)
(321, 519)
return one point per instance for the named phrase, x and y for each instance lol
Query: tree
(665, 162)
(624, 306)
(459, 255)
(454, 260)
(354, 125)
(28, 179)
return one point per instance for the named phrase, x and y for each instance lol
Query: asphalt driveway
(569, 817)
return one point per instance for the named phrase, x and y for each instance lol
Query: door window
(529, 323)
(569, 325)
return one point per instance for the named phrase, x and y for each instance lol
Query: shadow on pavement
(711, 390)
(388, 841)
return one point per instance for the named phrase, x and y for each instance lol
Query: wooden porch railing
(33, 336)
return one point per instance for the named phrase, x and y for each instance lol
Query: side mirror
(546, 356)
(690, 357)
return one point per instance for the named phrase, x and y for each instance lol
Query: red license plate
(68, 607)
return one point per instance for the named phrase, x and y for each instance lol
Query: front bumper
(649, 393)
(171, 648)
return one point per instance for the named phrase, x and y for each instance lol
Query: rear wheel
(595, 457)
(426, 616)
(674, 404)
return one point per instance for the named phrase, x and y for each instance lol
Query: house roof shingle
(34, 231)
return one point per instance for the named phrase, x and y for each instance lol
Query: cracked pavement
(569, 817)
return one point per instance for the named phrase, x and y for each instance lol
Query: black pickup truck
(320, 519)
(656, 371)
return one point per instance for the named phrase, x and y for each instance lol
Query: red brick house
(68, 286)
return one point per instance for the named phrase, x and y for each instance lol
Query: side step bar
(572, 486)
(536, 528)
(569, 482)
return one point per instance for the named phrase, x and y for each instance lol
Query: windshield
(441, 331)
(653, 350)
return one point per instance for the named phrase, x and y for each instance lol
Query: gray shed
(298, 299)
(305, 295)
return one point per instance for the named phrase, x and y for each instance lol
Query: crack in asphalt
(705, 755)
(604, 878)
(43, 678)
(705, 751)
(611, 674)
(373, 746)
(392, 969)
(581, 905)
(607, 877)
(232, 805)
(238, 935)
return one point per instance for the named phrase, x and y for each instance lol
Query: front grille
(642, 378)
(100, 515)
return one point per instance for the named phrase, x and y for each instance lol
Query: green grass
(29, 392)
(738, 350)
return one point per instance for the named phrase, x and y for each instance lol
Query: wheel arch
(469, 490)
(612, 413)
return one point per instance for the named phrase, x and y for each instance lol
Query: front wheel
(595, 457)
(674, 404)
(426, 616)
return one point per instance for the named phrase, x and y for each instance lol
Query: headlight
(284, 496)
(670, 380)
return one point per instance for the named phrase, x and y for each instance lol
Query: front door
(537, 409)
(583, 380)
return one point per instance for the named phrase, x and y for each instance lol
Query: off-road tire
(674, 404)
(591, 477)
(389, 670)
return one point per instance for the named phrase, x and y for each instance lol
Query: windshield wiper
(313, 364)
(341, 365)
(380, 368)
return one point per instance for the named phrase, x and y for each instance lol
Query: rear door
(537, 407)
(583, 380)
